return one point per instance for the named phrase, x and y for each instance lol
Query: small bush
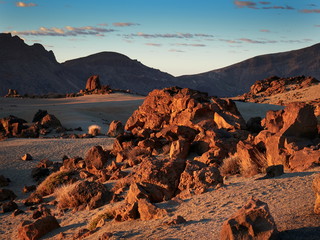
(108, 215)
(54, 181)
(251, 168)
(94, 130)
(62, 194)
(230, 166)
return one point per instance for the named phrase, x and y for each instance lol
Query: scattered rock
(96, 157)
(39, 173)
(33, 199)
(34, 230)
(50, 121)
(82, 233)
(148, 211)
(17, 212)
(26, 157)
(8, 206)
(116, 129)
(106, 236)
(4, 181)
(39, 115)
(6, 194)
(253, 221)
(274, 171)
(178, 220)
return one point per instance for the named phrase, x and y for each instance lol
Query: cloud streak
(242, 4)
(153, 44)
(257, 5)
(124, 24)
(310, 11)
(189, 44)
(65, 32)
(170, 35)
(23, 4)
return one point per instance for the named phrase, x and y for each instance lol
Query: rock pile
(290, 138)
(275, 85)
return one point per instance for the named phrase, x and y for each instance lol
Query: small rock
(178, 220)
(17, 212)
(274, 171)
(106, 236)
(26, 157)
(4, 181)
(8, 207)
(27, 189)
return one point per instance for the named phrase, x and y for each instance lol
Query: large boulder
(198, 177)
(93, 83)
(158, 177)
(296, 120)
(252, 221)
(187, 107)
(290, 137)
(34, 230)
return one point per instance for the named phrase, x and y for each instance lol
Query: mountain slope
(237, 79)
(119, 71)
(31, 69)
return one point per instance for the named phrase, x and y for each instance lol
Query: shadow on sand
(309, 233)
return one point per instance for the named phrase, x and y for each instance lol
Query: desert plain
(290, 196)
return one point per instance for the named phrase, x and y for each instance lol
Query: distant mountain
(34, 70)
(120, 72)
(237, 79)
(31, 69)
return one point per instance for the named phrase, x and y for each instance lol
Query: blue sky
(176, 36)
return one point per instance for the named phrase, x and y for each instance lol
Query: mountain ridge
(34, 70)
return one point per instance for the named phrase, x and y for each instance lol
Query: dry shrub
(94, 130)
(54, 181)
(230, 166)
(63, 196)
(250, 168)
(107, 215)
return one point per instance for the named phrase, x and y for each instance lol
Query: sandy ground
(75, 112)
(299, 95)
(290, 197)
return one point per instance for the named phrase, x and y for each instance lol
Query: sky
(176, 36)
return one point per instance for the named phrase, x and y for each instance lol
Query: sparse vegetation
(53, 181)
(107, 215)
(94, 130)
(230, 166)
(63, 197)
(250, 168)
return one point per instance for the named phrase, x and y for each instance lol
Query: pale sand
(75, 112)
(290, 197)
(299, 95)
